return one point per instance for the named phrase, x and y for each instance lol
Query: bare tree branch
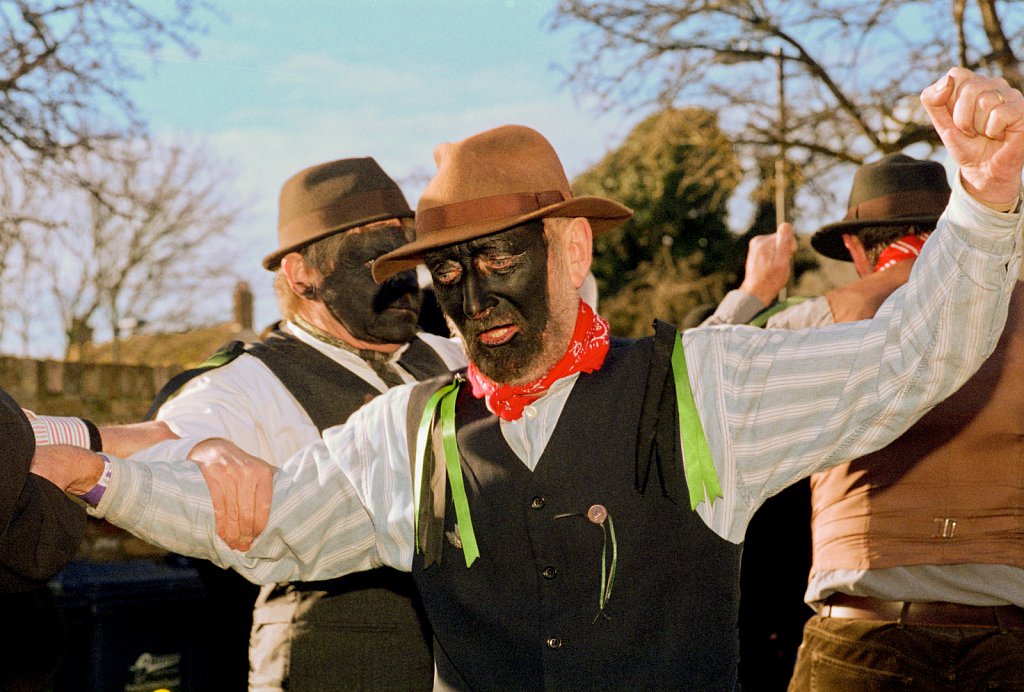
(139, 240)
(853, 69)
(63, 67)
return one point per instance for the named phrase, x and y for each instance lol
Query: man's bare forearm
(126, 440)
(74, 470)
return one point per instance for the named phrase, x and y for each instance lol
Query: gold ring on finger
(1002, 100)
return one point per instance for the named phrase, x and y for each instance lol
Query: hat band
(350, 210)
(900, 204)
(485, 209)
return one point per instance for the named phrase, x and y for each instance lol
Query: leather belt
(920, 613)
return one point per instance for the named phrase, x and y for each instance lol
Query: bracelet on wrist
(93, 496)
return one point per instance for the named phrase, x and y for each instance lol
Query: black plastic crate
(132, 626)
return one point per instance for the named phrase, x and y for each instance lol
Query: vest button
(549, 572)
(554, 643)
(538, 503)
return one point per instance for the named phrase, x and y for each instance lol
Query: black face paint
(495, 290)
(384, 314)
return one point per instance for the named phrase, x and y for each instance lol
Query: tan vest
(949, 491)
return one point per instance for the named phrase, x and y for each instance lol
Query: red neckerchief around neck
(586, 353)
(907, 247)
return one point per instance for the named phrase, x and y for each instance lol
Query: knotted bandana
(586, 353)
(907, 247)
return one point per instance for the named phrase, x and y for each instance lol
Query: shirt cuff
(989, 229)
(738, 307)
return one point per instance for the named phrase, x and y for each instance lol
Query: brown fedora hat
(489, 183)
(328, 198)
(896, 190)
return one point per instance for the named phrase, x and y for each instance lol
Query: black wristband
(95, 440)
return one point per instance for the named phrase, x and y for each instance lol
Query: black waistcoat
(526, 614)
(328, 391)
(365, 614)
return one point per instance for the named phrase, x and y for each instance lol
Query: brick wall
(102, 392)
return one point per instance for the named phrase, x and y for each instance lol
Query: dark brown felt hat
(332, 197)
(896, 190)
(489, 183)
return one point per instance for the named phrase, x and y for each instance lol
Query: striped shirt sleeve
(778, 405)
(343, 504)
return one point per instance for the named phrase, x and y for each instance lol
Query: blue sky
(278, 86)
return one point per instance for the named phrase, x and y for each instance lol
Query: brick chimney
(241, 301)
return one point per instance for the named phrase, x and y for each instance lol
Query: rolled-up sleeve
(779, 405)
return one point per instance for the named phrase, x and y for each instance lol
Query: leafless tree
(144, 242)
(851, 70)
(21, 217)
(64, 65)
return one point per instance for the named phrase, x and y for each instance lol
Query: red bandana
(907, 247)
(586, 353)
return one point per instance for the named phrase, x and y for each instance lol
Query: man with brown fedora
(572, 508)
(343, 340)
(894, 204)
(915, 557)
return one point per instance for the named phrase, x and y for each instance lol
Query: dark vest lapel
(421, 361)
(328, 391)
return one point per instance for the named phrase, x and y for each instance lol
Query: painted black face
(495, 290)
(384, 314)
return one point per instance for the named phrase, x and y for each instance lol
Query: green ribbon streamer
(606, 583)
(422, 436)
(217, 359)
(761, 319)
(701, 477)
(446, 397)
(451, 462)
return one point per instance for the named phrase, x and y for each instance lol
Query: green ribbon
(761, 319)
(217, 359)
(422, 436)
(607, 573)
(451, 463)
(701, 477)
(445, 397)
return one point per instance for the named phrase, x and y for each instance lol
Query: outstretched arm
(779, 405)
(340, 505)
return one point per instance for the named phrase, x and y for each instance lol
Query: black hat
(40, 526)
(896, 190)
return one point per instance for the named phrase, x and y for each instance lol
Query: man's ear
(302, 279)
(579, 250)
(859, 255)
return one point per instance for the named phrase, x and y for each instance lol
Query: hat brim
(603, 214)
(273, 260)
(828, 240)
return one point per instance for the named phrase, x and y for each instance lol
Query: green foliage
(676, 170)
(667, 289)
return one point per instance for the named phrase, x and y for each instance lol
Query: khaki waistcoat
(949, 491)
